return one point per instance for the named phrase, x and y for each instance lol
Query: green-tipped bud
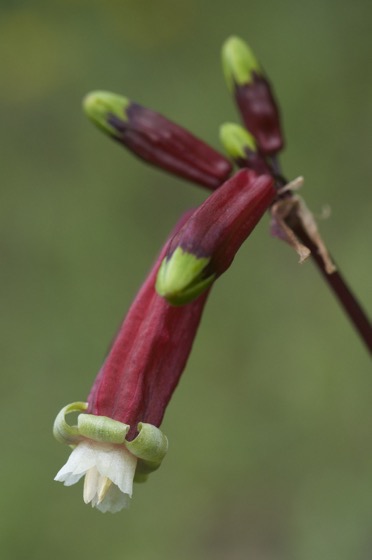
(251, 89)
(241, 146)
(239, 63)
(102, 107)
(156, 140)
(237, 141)
(182, 277)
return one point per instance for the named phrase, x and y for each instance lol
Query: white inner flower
(109, 471)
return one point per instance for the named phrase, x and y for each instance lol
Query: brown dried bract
(286, 212)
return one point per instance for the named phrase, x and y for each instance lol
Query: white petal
(99, 462)
(114, 501)
(82, 458)
(116, 463)
(69, 479)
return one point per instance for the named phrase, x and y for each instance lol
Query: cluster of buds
(117, 439)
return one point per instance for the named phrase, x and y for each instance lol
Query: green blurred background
(271, 428)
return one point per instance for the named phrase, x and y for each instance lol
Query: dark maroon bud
(253, 95)
(155, 139)
(241, 146)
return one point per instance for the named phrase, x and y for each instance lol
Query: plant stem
(341, 290)
(353, 309)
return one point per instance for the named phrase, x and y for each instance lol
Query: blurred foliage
(270, 431)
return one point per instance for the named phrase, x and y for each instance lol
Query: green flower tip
(238, 62)
(99, 106)
(181, 277)
(236, 140)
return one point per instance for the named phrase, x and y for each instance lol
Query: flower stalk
(336, 282)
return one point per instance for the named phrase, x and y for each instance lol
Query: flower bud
(155, 139)
(207, 243)
(253, 95)
(242, 148)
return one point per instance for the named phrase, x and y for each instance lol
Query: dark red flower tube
(147, 358)
(155, 139)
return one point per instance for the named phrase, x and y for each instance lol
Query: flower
(157, 140)
(109, 471)
(117, 439)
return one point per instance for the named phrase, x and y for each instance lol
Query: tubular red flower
(117, 440)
